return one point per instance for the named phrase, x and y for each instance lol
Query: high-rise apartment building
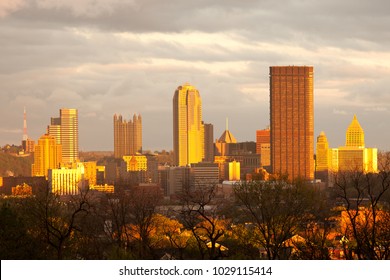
(127, 136)
(47, 155)
(188, 130)
(292, 121)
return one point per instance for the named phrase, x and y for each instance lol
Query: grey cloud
(314, 21)
(50, 45)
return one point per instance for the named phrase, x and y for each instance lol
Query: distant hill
(99, 157)
(14, 165)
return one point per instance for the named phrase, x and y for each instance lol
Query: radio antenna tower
(24, 125)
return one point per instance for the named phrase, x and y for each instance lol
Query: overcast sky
(128, 56)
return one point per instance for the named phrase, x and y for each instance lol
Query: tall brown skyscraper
(292, 121)
(127, 136)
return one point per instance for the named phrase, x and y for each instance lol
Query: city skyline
(128, 57)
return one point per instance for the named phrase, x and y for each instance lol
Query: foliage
(266, 219)
(11, 164)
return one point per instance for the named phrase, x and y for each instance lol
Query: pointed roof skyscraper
(227, 136)
(354, 134)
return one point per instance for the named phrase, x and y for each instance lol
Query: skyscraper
(208, 142)
(322, 153)
(354, 156)
(262, 137)
(54, 129)
(69, 135)
(354, 136)
(47, 155)
(188, 130)
(292, 121)
(127, 136)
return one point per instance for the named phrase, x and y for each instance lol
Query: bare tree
(277, 209)
(127, 216)
(366, 210)
(200, 214)
(143, 203)
(55, 219)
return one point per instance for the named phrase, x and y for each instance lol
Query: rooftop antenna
(24, 125)
(227, 123)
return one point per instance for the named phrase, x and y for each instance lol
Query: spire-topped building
(353, 157)
(227, 136)
(355, 134)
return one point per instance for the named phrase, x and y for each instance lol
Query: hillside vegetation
(13, 165)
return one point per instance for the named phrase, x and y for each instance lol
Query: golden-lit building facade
(265, 154)
(292, 121)
(354, 156)
(103, 188)
(322, 153)
(66, 181)
(54, 129)
(222, 144)
(136, 163)
(127, 136)
(47, 155)
(234, 171)
(263, 146)
(263, 136)
(354, 136)
(188, 130)
(90, 170)
(69, 135)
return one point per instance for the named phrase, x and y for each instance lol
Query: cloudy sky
(128, 56)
